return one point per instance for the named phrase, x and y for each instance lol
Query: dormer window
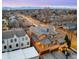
(26, 38)
(15, 39)
(22, 39)
(3, 42)
(11, 40)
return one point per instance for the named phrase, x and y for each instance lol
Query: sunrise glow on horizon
(25, 3)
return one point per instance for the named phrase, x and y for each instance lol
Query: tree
(67, 41)
(13, 23)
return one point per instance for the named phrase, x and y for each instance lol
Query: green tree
(67, 41)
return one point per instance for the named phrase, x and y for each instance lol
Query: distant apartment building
(14, 39)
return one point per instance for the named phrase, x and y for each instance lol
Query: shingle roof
(10, 33)
(61, 40)
(45, 41)
(70, 25)
(39, 30)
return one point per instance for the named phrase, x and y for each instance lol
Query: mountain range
(26, 8)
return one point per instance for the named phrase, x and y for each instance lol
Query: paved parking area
(59, 55)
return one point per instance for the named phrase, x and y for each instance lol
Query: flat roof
(18, 54)
(30, 52)
(21, 54)
(5, 56)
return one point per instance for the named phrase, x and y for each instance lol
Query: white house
(14, 39)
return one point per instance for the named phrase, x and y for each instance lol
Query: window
(10, 46)
(22, 39)
(17, 45)
(3, 22)
(3, 42)
(26, 38)
(21, 44)
(27, 43)
(15, 40)
(5, 47)
(11, 40)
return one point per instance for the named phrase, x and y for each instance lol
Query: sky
(25, 3)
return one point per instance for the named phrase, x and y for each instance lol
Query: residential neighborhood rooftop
(70, 26)
(39, 30)
(10, 33)
(45, 41)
